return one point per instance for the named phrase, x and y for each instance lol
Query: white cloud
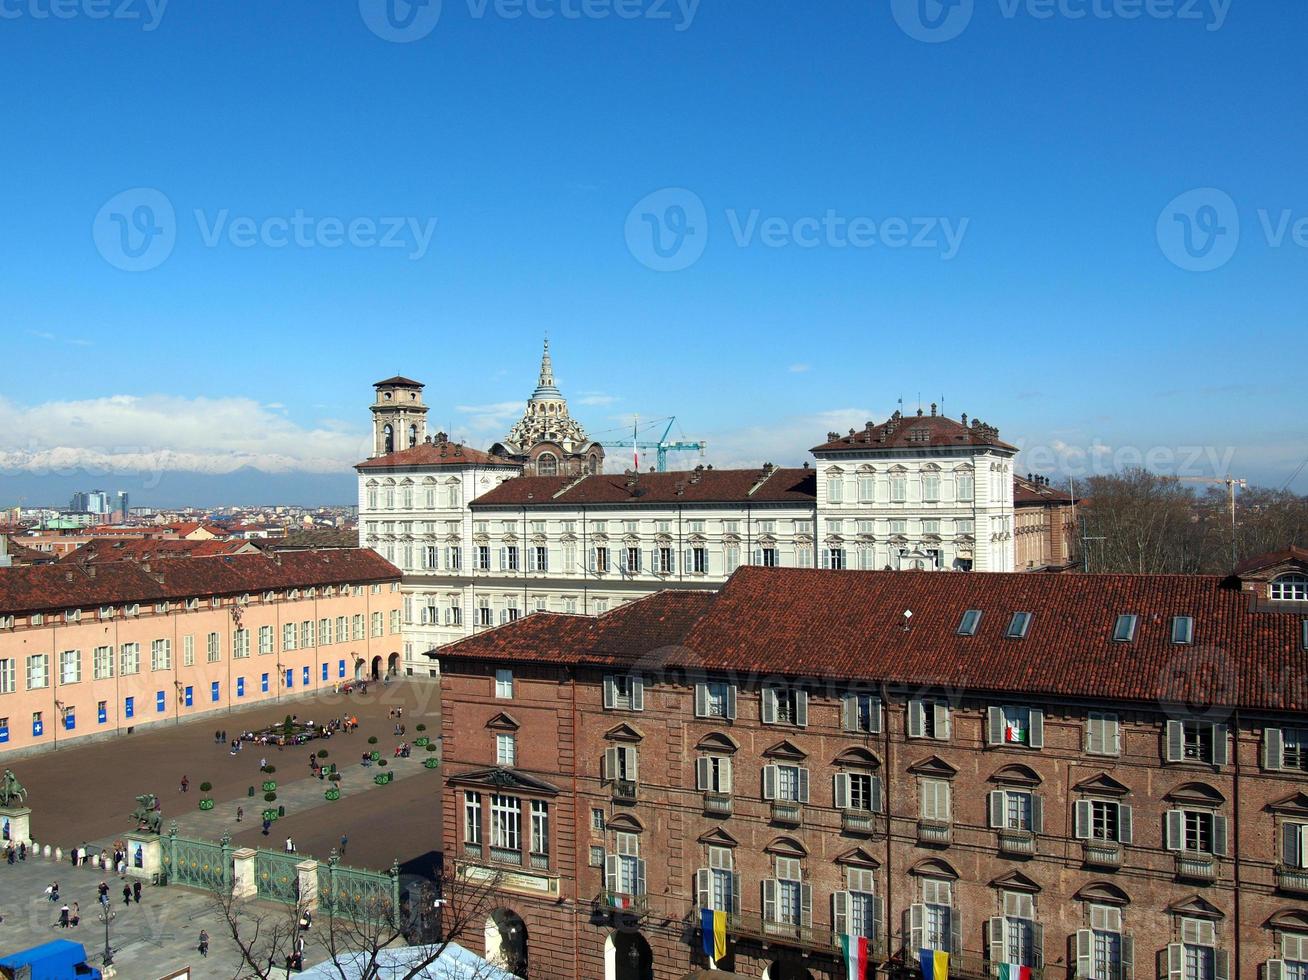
(496, 417)
(596, 398)
(157, 433)
(800, 368)
(56, 339)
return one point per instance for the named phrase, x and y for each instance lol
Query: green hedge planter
(206, 804)
(374, 756)
(382, 778)
(431, 763)
(269, 785)
(332, 794)
(420, 742)
(270, 815)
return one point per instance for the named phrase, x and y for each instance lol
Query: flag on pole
(713, 927)
(1014, 971)
(858, 956)
(935, 964)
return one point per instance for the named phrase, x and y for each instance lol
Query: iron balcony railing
(1019, 842)
(1292, 879)
(624, 790)
(819, 939)
(787, 812)
(717, 804)
(1102, 853)
(474, 851)
(961, 965)
(934, 832)
(607, 901)
(541, 862)
(1196, 867)
(503, 855)
(858, 822)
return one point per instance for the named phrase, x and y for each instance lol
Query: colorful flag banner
(858, 956)
(935, 964)
(1014, 971)
(713, 927)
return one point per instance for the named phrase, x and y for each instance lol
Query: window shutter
(701, 700)
(633, 765)
(1219, 835)
(995, 938)
(914, 930)
(941, 713)
(916, 719)
(876, 794)
(1274, 970)
(724, 774)
(638, 694)
(806, 907)
(841, 795)
(803, 785)
(731, 702)
(826, 557)
(1290, 845)
(769, 782)
(672, 559)
(702, 773)
(1127, 960)
(1273, 749)
(996, 808)
(801, 708)
(1037, 814)
(1173, 965)
(1082, 819)
(735, 893)
(840, 912)
(1221, 964)
(994, 725)
(1174, 830)
(1036, 736)
(769, 900)
(769, 706)
(611, 873)
(1112, 736)
(687, 561)
(610, 693)
(849, 712)
(1094, 742)
(703, 894)
(593, 563)
(1125, 832)
(504, 559)
(1038, 946)
(1175, 750)
(876, 716)
(1220, 744)
(955, 930)
(1085, 949)
(609, 770)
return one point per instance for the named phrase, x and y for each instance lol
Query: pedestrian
(204, 942)
(263, 763)
(53, 891)
(345, 839)
(136, 891)
(240, 812)
(266, 824)
(224, 738)
(64, 913)
(22, 851)
(217, 737)
(127, 894)
(186, 784)
(77, 915)
(290, 846)
(103, 889)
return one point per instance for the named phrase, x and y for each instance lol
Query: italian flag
(1011, 971)
(858, 956)
(1014, 732)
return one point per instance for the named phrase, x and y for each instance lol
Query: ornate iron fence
(197, 863)
(276, 877)
(354, 893)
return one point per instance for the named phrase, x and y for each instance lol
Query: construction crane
(661, 447)
(1231, 484)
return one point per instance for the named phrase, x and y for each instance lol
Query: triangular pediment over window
(1015, 881)
(1102, 893)
(857, 756)
(717, 837)
(1196, 907)
(1196, 794)
(717, 742)
(858, 858)
(624, 733)
(1016, 775)
(500, 778)
(787, 847)
(786, 749)
(934, 868)
(1102, 784)
(934, 766)
(1294, 805)
(503, 722)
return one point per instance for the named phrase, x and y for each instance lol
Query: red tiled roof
(1259, 562)
(73, 586)
(146, 549)
(692, 486)
(399, 379)
(1026, 492)
(850, 626)
(914, 432)
(432, 454)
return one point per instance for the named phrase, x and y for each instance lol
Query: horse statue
(146, 814)
(12, 792)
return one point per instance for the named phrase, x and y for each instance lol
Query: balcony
(961, 965)
(540, 862)
(755, 927)
(1102, 853)
(717, 804)
(858, 822)
(1021, 843)
(787, 812)
(474, 851)
(1196, 867)
(935, 833)
(607, 903)
(1293, 880)
(624, 791)
(502, 855)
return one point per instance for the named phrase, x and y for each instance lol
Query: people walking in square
(64, 914)
(345, 839)
(204, 942)
(76, 916)
(186, 784)
(240, 812)
(136, 891)
(53, 891)
(127, 894)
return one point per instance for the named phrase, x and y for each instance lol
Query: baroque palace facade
(1086, 776)
(535, 525)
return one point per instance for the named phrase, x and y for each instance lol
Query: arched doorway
(393, 664)
(786, 970)
(627, 956)
(359, 665)
(506, 941)
(376, 667)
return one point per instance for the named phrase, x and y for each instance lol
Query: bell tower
(399, 418)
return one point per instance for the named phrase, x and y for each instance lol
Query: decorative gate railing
(276, 877)
(197, 863)
(359, 895)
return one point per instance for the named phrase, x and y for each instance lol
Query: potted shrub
(269, 785)
(322, 753)
(381, 762)
(270, 768)
(421, 727)
(206, 803)
(269, 797)
(372, 739)
(333, 793)
(422, 742)
(431, 762)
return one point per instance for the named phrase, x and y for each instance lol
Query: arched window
(1290, 588)
(413, 436)
(388, 439)
(547, 464)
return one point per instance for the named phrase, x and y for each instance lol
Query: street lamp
(107, 916)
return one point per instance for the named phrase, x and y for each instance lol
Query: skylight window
(971, 620)
(1018, 625)
(1124, 630)
(1304, 639)
(1182, 629)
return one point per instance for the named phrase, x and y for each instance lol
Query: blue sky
(1017, 191)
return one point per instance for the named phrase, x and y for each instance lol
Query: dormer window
(969, 623)
(1289, 588)
(1124, 629)
(1018, 626)
(106, 612)
(1182, 629)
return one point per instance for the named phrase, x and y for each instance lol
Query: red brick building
(1099, 776)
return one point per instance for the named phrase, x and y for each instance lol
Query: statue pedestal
(16, 825)
(308, 878)
(243, 881)
(144, 854)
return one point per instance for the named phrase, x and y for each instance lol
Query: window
(485, 614)
(509, 558)
(624, 692)
(188, 650)
(288, 636)
(265, 639)
(624, 871)
(867, 486)
(1103, 735)
(1196, 741)
(715, 699)
(835, 489)
(161, 655)
(38, 671)
(506, 822)
(378, 624)
(765, 557)
(503, 683)
(1124, 628)
(787, 898)
(857, 791)
(306, 634)
(129, 659)
(1196, 832)
(932, 923)
(664, 561)
(928, 719)
(102, 663)
(1016, 810)
(1294, 959)
(357, 627)
(70, 666)
(1018, 626)
(833, 558)
(1289, 588)
(731, 558)
(713, 774)
(597, 821)
(930, 487)
(599, 561)
(1182, 629)
(538, 559)
(856, 911)
(213, 648)
(785, 783)
(861, 713)
(898, 488)
(1009, 725)
(1285, 749)
(631, 561)
(1102, 952)
(8, 682)
(966, 485)
(785, 706)
(1196, 957)
(934, 800)
(1103, 820)
(506, 750)
(620, 765)
(718, 886)
(1015, 937)
(596, 859)
(540, 827)
(970, 621)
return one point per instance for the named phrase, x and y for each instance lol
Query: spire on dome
(545, 388)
